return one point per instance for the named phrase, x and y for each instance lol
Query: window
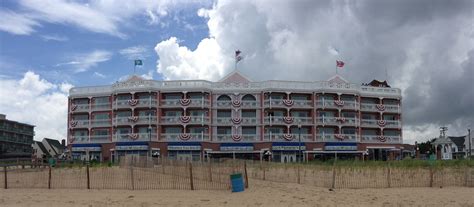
(123, 130)
(277, 96)
(196, 113)
(101, 116)
(295, 130)
(101, 132)
(147, 113)
(349, 114)
(249, 130)
(299, 97)
(173, 113)
(275, 130)
(80, 133)
(124, 97)
(173, 96)
(123, 113)
(101, 100)
(348, 131)
(224, 130)
(81, 117)
(197, 130)
(327, 130)
(224, 113)
(81, 101)
(224, 98)
(195, 95)
(248, 97)
(250, 114)
(146, 96)
(173, 130)
(300, 114)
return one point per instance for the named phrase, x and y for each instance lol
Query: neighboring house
(459, 149)
(39, 151)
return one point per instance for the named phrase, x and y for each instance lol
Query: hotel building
(235, 118)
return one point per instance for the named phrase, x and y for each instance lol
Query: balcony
(135, 120)
(101, 106)
(100, 123)
(380, 139)
(231, 121)
(283, 120)
(79, 123)
(202, 103)
(184, 120)
(93, 139)
(135, 137)
(380, 123)
(135, 103)
(379, 108)
(337, 138)
(335, 104)
(287, 103)
(250, 121)
(223, 121)
(295, 137)
(250, 104)
(79, 108)
(343, 121)
(235, 138)
(184, 137)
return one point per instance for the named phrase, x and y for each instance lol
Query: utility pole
(470, 152)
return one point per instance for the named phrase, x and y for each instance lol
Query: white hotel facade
(235, 118)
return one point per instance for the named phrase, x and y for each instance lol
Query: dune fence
(153, 175)
(362, 177)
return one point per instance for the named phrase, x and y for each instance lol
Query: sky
(424, 47)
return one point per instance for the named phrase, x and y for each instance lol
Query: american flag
(237, 56)
(339, 63)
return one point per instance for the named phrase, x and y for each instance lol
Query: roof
(377, 83)
(42, 148)
(54, 143)
(235, 77)
(442, 140)
(458, 141)
(337, 79)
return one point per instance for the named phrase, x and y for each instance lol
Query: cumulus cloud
(85, 61)
(36, 101)
(425, 46)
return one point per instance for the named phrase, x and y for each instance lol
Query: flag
(339, 63)
(138, 62)
(237, 56)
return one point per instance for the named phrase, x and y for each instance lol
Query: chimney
(63, 142)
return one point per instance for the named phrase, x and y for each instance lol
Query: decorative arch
(224, 98)
(249, 97)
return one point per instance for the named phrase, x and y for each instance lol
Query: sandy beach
(260, 193)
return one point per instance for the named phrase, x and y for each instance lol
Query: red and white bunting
(341, 119)
(133, 118)
(236, 137)
(185, 102)
(381, 123)
(185, 136)
(73, 107)
(339, 102)
(380, 107)
(288, 119)
(288, 137)
(133, 136)
(236, 103)
(185, 119)
(339, 136)
(236, 120)
(288, 102)
(133, 102)
(382, 138)
(73, 123)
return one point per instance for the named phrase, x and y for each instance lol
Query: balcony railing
(379, 108)
(135, 120)
(337, 138)
(277, 120)
(295, 137)
(380, 123)
(184, 120)
(93, 139)
(332, 104)
(100, 123)
(135, 137)
(235, 138)
(101, 106)
(204, 103)
(223, 104)
(343, 121)
(137, 103)
(181, 137)
(250, 104)
(250, 121)
(287, 103)
(230, 121)
(79, 108)
(79, 123)
(380, 139)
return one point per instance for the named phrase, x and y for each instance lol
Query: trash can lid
(236, 175)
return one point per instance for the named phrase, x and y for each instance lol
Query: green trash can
(52, 162)
(237, 182)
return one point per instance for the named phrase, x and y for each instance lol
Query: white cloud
(425, 50)
(148, 76)
(135, 52)
(54, 37)
(100, 75)
(16, 23)
(36, 101)
(84, 61)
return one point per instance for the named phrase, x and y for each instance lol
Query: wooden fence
(161, 174)
(362, 177)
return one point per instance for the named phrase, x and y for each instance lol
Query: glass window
(81, 117)
(196, 130)
(101, 116)
(124, 97)
(196, 112)
(327, 130)
(173, 96)
(224, 113)
(249, 130)
(276, 130)
(248, 97)
(173, 130)
(251, 114)
(277, 96)
(173, 113)
(80, 133)
(299, 97)
(101, 132)
(195, 95)
(80, 101)
(147, 113)
(101, 100)
(304, 130)
(123, 130)
(224, 98)
(348, 131)
(146, 96)
(123, 113)
(224, 130)
(300, 114)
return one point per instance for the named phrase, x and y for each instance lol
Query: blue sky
(51, 48)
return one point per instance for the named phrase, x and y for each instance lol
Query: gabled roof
(134, 78)
(442, 140)
(42, 148)
(54, 143)
(235, 77)
(337, 79)
(458, 141)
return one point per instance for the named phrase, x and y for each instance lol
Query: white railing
(380, 139)
(228, 138)
(100, 122)
(140, 103)
(250, 104)
(195, 102)
(392, 124)
(331, 104)
(377, 123)
(380, 108)
(93, 139)
(250, 121)
(223, 104)
(178, 120)
(79, 139)
(343, 121)
(337, 138)
(79, 107)
(80, 123)
(135, 137)
(223, 120)
(101, 106)
(177, 137)
(281, 120)
(294, 137)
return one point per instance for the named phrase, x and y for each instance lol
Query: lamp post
(469, 134)
(299, 141)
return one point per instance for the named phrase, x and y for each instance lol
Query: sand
(260, 193)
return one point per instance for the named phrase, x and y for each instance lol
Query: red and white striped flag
(339, 63)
